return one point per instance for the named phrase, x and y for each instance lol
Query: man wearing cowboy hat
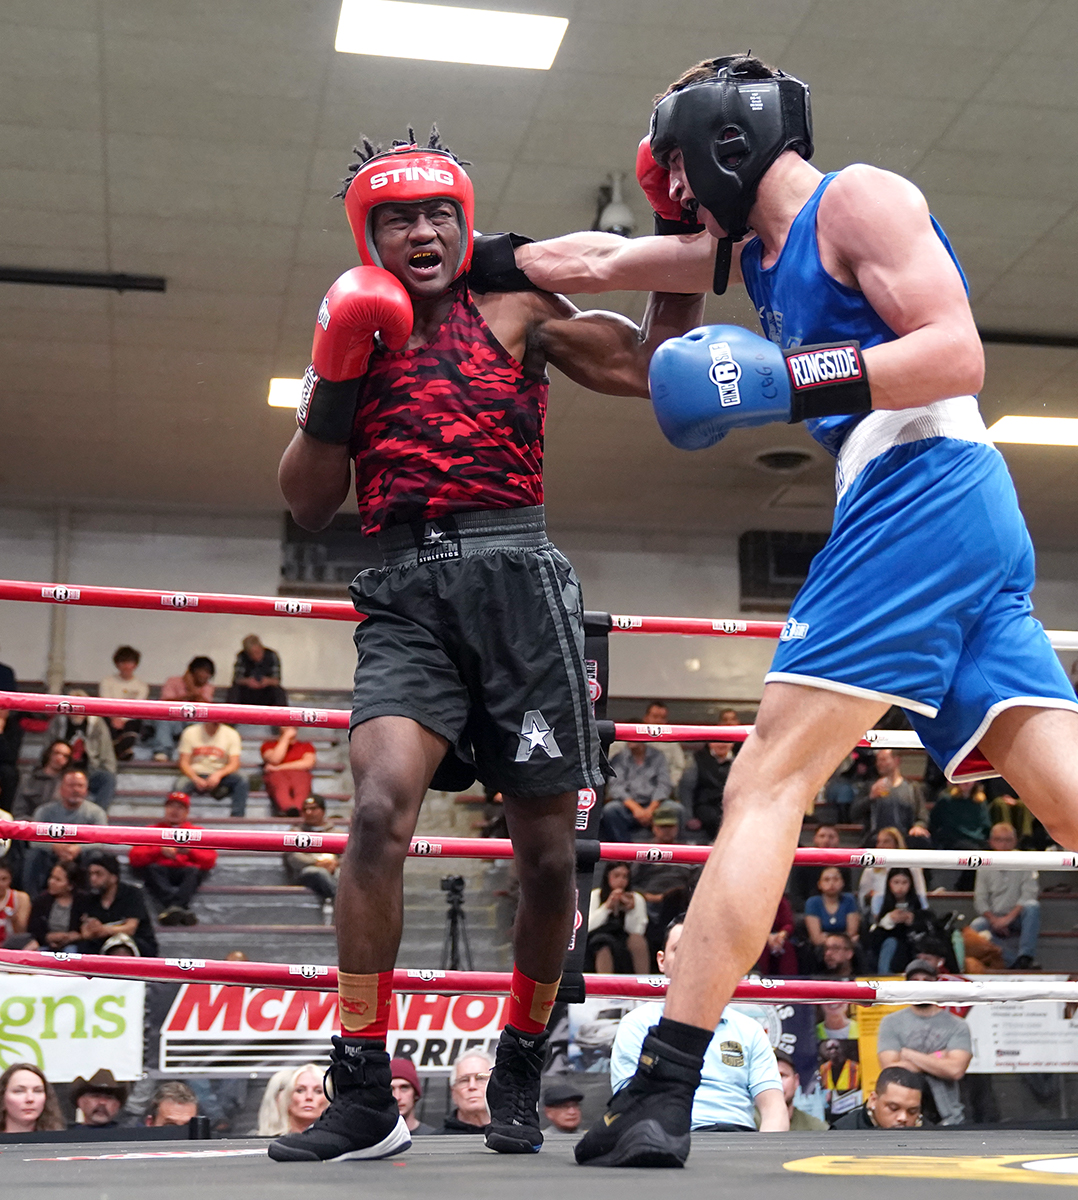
(98, 1100)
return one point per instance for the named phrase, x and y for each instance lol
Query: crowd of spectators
(664, 793)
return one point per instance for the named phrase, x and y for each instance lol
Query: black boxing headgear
(730, 130)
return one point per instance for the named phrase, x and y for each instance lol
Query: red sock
(530, 1002)
(365, 1005)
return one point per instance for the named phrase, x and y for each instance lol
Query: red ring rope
(645, 987)
(339, 718)
(271, 841)
(341, 610)
(329, 610)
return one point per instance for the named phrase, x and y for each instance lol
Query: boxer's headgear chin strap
(408, 175)
(730, 130)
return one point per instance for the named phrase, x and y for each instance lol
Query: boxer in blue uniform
(920, 597)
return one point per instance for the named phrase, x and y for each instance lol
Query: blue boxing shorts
(920, 598)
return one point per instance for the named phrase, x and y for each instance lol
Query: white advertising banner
(216, 1029)
(1031, 1036)
(70, 1026)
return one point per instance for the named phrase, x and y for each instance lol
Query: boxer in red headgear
(429, 373)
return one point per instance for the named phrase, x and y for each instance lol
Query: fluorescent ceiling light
(1036, 431)
(437, 33)
(284, 393)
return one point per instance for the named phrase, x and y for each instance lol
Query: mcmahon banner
(215, 1029)
(71, 1026)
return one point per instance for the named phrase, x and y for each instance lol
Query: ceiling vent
(783, 461)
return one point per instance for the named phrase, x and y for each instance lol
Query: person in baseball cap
(561, 1107)
(407, 1093)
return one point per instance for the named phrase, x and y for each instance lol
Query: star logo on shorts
(536, 734)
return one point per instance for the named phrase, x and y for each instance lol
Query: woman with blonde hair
(27, 1102)
(293, 1099)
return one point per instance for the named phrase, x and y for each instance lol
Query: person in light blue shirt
(740, 1071)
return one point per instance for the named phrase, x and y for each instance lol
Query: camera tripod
(456, 951)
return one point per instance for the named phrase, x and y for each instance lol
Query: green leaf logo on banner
(11, 1050)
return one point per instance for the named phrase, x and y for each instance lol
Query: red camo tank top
(447, 427)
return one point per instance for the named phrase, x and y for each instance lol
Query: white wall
(631, 574)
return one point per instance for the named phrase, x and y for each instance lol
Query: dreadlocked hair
(367, 150)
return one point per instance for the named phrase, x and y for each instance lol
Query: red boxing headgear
(408, 175)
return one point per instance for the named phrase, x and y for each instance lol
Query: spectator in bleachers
(172, 874)
(194, 686)
(739, 1072)
(314, 869)
(896, 801)
(469, 1075)
(27, 1102)
(121, 945)
(51, 913)
(90, 740)
(667, 887)
(704, 782)
(404, 1083)
(928, 1039)
(38, 786)
(10, 745)
(1008, 904)
(839, 958)
(779, 956)
(111, 907)
(872, 885)
(801, 884)
(1004, 806)
(256, 675)
(71, 806)
(124, 686)
(849, 787)
(7, 679)
(657, 713)
(14, 905)
(832, 909)
(617, 923)
(799, 1119)
(98, 1100)
(561, 1107)
(209, 755)
(959, 819)
(173, 1103)
(642, 784)
(894, 1103)
(902, 915)
(286, 771)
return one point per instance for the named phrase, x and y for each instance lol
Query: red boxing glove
(363, 301)
(670, 217)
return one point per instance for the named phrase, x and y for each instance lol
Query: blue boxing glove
(722, 377)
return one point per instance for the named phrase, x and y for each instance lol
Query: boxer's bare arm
(874, 227)
(591, 262)
(605, 351)
(314, 478)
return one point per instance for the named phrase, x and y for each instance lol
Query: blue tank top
(800, 304)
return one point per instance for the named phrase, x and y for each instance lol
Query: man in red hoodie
(172, 874)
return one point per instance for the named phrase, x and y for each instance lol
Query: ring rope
(342, 610)
(271, 841)
(324, 979)
(340, 718)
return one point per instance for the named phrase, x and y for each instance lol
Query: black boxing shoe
(362, 1120)
(647, 1122)
(513, 1092)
